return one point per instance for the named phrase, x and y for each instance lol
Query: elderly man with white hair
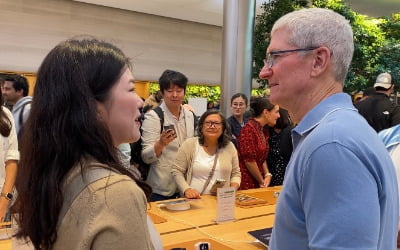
(340, 187)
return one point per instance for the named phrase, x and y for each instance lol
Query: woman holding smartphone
(203, 160)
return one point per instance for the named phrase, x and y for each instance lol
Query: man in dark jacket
(378, 109)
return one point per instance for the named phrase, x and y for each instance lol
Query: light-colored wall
(29, 29)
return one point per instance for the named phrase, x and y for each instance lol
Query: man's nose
(265, 73)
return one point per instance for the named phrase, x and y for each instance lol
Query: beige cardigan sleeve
(231, 156)
(182, 167)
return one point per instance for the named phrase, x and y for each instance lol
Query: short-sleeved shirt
(252, 147)
(340, 187)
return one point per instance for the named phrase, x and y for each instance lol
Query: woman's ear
(265, 112)
(101, 111)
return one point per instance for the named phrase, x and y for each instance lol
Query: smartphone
(202, 246)
(170, 127)
(219, 183)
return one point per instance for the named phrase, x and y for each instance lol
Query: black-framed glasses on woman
(209, 124)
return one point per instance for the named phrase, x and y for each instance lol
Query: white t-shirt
(202, 166)
(8, 147)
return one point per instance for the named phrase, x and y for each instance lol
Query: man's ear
(20, 92)
(322, 58)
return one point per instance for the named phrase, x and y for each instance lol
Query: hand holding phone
(170, 127)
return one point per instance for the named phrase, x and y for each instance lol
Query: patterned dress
(252, 146)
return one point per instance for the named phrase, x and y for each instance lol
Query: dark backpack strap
(195, 121)
(78, 183)
(21, 114)
(160, 114)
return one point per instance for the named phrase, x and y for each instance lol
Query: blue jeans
(159, 197)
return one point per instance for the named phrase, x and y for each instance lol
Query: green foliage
(389, 53)
(368, 38)
(257, 92)
(272, 12)
(391, 26)
(389, 59)
(212, 93)
(374, 50)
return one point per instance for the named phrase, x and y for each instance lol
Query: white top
(8, 147)
(202, 166)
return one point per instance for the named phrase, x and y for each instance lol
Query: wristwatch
(8, 196)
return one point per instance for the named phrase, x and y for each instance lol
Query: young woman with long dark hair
(84, 106)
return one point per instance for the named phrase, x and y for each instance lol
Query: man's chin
(274, 98)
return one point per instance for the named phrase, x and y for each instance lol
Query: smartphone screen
(169, 127)
(219, 183)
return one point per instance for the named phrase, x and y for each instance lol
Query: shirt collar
(165, 108)
(323, 109)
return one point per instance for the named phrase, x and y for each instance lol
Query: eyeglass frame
(269, 60)
(240, 105)
(212, 123)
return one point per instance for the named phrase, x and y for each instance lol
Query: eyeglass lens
(211, 123)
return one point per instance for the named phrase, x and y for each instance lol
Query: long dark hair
(225, 137)
(64, 127)
(258, 104)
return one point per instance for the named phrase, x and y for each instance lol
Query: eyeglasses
(211, 123)
(241, 104)
(269, 61)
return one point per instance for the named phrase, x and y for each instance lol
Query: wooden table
(198, 223)
(231, 234)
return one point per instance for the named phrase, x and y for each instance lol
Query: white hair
(316, 27)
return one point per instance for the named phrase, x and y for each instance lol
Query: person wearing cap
(380, 112)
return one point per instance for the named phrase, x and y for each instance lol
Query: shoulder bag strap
(211, 173)
(78, 183)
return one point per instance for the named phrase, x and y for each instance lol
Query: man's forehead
(278, 40)
(8, 84)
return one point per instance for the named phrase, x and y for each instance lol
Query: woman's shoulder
(108, 182)
(229, 147)
(190, 141)
(119, 184)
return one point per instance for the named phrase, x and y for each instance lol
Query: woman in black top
(280, 147)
